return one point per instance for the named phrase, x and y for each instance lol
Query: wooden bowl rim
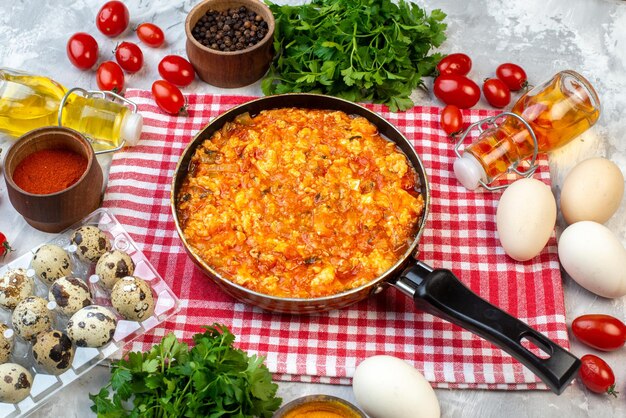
(37, 134)
(268, 38)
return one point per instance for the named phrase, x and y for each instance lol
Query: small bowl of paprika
(53, 178)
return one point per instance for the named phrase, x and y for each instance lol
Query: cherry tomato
(451, 119)
(602, 332)
(177, 70)
(512, 75)
(496, 92)
(597, 375)
(129, 56)
(169, 98)
(113, 18)
(5, 248)
(150, 34)
(456, 90)
(82, 50)
(459, 64)
(110, 77)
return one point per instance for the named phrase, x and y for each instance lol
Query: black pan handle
(440, 293)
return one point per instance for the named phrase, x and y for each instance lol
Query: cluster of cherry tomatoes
(604, 333)
(453, 87)
(112, 20)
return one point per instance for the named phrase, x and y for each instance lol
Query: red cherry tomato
(456, 90)
(176, 70)
(597, 375)
(169, 98)
(129, 56)
(459, 64)
(451, 119)
(512, 75)
(602, 332)
(113, 18)
(82, 50)
(110, 77)
(150, 34)
(5, 248)
(496, 92)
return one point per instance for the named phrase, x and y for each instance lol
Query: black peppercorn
(230, 30)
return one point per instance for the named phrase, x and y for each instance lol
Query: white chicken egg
(525, 218)
(132, 298)
(592, 191)
(15, 285)
(92, 326)
(388, 387)
(51, 262)
(91, 243)
(15, 383)
(593, 256)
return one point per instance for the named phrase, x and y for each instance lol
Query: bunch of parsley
(212, 379)
(360, 50)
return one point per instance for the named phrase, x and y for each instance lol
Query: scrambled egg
(299, 203)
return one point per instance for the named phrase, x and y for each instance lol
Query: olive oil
(30, 101)
(27, 102)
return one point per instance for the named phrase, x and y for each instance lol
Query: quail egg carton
(45, 385)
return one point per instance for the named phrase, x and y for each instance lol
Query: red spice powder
(49, 171)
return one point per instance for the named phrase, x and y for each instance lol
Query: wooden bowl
(54, 212)
(230, 69)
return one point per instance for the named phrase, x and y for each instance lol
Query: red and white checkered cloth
(460, 235)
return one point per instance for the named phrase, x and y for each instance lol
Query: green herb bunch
(212, 379)
(360, 50)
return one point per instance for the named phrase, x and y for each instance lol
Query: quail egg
(6, 343)
(32, 316)
(113, 265)
(51, 262)
(15, 285)
(15, 382)
(90, 242)
(54, 351)
(92, 326)
(132, 297)
(70, 294)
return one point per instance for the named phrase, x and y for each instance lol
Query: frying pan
(436, 291)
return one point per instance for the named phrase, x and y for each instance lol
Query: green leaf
(260, 379)
(400, 103)
(150, 366)
(169, 344)
(120, 382)
(120, 377)
(105, 407)
(267, 86)
(307, 78)
(135, 361)
(153, 382)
